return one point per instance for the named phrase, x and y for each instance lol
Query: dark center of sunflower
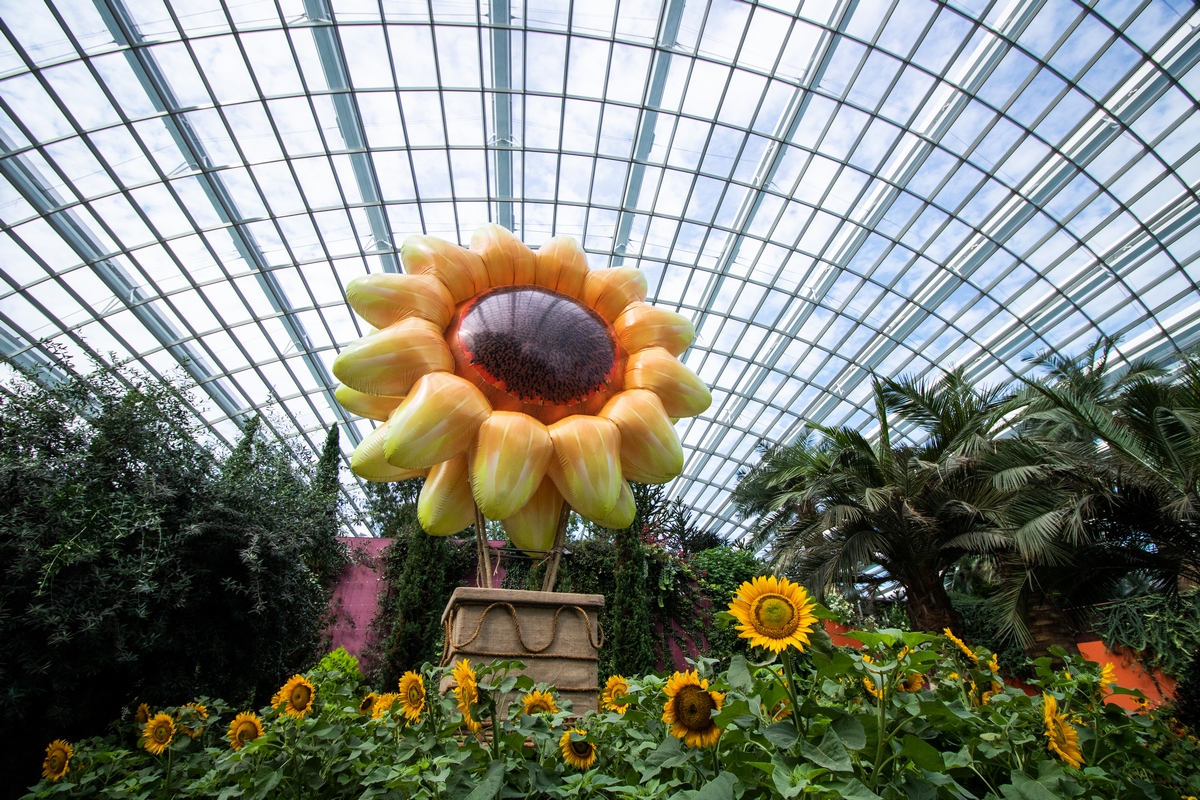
(161, 733)
(415, 695)
(538, 345)
(246, 732)
(300, 696)
(775, 616)
(693, 708)
(581, 748)
(57, 760)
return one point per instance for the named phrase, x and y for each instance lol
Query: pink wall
(356, 597)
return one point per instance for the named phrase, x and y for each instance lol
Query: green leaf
(923, 754)
(1024, 787)
(719, 788)
(667, 755)
(491, 783)
(829, 754)
(782, 734)
(960, 759)
(850, 730)
(739, 674)
(853, 789)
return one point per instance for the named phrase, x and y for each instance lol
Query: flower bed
(911, 715)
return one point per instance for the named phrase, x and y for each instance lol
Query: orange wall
(1130, 675)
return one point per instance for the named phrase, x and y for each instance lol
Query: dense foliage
(1069, 490)
(1163, 629)
(912, 716)
(137, 564)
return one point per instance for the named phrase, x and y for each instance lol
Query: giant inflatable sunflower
(515, 381)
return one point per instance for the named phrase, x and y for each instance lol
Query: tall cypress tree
(327, 557)
(629, 620)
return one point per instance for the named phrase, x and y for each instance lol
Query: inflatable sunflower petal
(384, 299)
(586, 467)
(642, 325)
(650, 449)
(461, 270)
(369, 462)
(508, 461)
(507, 260)
(388, 361)
(445, 505)
(623, 512)
(435, 422)
(610, 291)
(533, 527)
(562, 266)
(366, 405)
(681, 392)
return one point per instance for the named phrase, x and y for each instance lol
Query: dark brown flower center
(537, 345)
(301, 695)
(583, 749)
(246, 732)
(57, 760)
(415, 695)
(162, 733)
(693, 708)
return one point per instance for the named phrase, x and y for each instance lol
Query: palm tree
(832, 505)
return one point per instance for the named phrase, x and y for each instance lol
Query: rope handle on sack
(449, 642)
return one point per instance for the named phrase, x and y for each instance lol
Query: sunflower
(773, 613)
(616, 689)
(689, 709)
(579, 753)
(538, 703)
(158, 733)
(296, 696)
(383, 704)
(913, 683)
(142, 715)
(367, 704)
(1064, 739)
(58, 759)
(959, 643)
(466, 692)
(993, 664)
(869, 679)
(192, 713)
(412, 696)
(245, 728)
(1108, 676)
(517, 380)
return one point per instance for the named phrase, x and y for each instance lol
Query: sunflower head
(615, 697)
(142, 715)
(158, 733)
(466, 692)
(578, 752)
(1108, 676)
(773, 613)
(58, 759)
(296, 696)
(412, 696)
(191, 719)
(516, 381)
(383, 704)
(245, 728)
(689, 709)
(538, 702)
(367, 704)
(961, 645)
(1063, 739)
(913, 682)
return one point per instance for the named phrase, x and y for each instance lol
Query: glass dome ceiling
(828, 189)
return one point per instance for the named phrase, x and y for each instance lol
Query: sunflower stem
(790, 686)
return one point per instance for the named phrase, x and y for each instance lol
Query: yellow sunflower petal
(681, 392)
(533, 527)
(389, 361)
(623, 512)
(507, 260)
(508, 460)
(562, 266)
(435, 422)
(385, 298)
(610, 291)
(642, 325)
(370, 463)
(461, 270)
(366, 405)
(650, 449)
(445, 505)
(586, 467)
